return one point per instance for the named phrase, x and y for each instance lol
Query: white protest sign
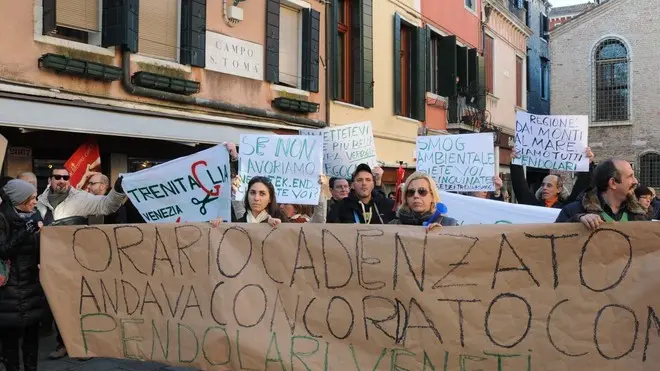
(462, 162)
(293, 163)
(552, 142)
(472, 210)
(195, 188)
(345, 147)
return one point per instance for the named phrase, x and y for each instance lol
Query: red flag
(400, 174)
(87, 154)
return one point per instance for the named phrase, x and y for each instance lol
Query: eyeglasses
(410, 192)
(60, 177)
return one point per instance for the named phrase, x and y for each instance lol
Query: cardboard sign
(194, 188)
(472, 210)
(88, 154)
(461, 162)
(345, 147)
(548, 297)
(3, 149)
(552, 142)
(293, 163)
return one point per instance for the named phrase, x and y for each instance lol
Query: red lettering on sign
(193, 169)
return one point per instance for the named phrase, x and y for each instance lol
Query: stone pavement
(47, 345)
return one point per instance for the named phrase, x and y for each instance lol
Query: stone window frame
(643, 178)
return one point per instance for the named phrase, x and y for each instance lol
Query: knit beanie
(19, 191)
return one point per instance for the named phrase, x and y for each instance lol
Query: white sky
(558, 3)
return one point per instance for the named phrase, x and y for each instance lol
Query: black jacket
(591, 203)
(22, 300)
(526, 197)
(417, 219)
(346, 210)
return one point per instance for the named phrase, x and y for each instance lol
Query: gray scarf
(54, 199)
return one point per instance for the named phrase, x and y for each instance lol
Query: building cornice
(585, 16)
(510, 17)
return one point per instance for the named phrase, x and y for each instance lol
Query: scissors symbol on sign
(207, 199)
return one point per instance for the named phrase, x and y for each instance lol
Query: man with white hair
(28, 177)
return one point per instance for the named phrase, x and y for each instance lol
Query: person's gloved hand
(118, 188)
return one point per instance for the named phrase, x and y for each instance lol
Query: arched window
(611, 79)
(649, 172)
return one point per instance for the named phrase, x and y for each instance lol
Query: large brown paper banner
(346, 297)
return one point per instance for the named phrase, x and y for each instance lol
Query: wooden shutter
(310, 49)
(289, 41)
(193, 33)
(334, 51)
(488, 55)
(447, 66)
(121, 24)
(427, 36)
(273, 41)
(519, 81)
(481, 82)
(363, 46)
(78, 14)
(462, 67)
(418, 75)
(397, 65)
(49, 16)
(473, 75)
(159, 28)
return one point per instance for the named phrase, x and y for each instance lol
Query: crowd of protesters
(608, 192)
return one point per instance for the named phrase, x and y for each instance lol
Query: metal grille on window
(611, 82)
(649, 172)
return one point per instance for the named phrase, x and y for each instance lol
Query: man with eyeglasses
(61, 201)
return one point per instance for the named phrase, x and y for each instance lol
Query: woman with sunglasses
(421, 197)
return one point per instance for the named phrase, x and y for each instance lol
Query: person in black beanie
(22, 300)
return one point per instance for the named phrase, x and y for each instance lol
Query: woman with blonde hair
(420, 197)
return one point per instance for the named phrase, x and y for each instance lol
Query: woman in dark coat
(421, 197)
(22, 300)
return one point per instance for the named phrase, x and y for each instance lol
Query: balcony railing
(521, 13)
(464, 114)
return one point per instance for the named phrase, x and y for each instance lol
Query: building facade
(563, 14)
(152, 80)
(605, 65)
(538, 56)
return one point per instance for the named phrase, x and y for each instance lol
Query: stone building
(605, 65)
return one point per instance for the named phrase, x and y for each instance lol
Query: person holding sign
(552, 192)
(611, 198)
(260, 204)
(421, 197)
(498, 195)
(364, 204)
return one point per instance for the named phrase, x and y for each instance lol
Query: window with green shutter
(410, 82)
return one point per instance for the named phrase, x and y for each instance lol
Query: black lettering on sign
(335, 264)
(280, 301)
(651, 319)
(192, 294)
(304, 318)
(523, 267)
(597, 321)
(158, 241)
(400, 247)
(460, 315)
(212, 304)
(106, 295)
(551, 338)
(362, 234)
(136, 293)
(124, 246)
(173, 311)
(624, 271)
(428, 325)
(329, 315)
(248, 243)
(253, 300)
(85, 235)
(302, 241)
(263, 257)
(553, 251)
(181, 248)
(90, 294)
(508, 295)
(458, 264)
(397, 308)
(153, 300)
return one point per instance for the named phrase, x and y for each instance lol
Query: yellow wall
(394, 136)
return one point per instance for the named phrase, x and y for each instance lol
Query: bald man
(28, 177)
(98, 184)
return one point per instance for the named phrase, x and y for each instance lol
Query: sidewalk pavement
(47, 345)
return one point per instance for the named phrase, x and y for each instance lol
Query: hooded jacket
(349, 209)
(590, 203)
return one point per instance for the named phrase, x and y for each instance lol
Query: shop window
(137, 164)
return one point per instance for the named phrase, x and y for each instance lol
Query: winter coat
(525, 197)
(80, 203)
(413, 218)
(347, 209)
(22, 300)
(591, 203)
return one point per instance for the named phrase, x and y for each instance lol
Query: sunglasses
(60, 177)
(421, 191)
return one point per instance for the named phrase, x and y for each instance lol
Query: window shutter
(418, 75)
(462, 68)
(427, 57)
(366, 66)
(78, 14)
(447, 66)
(397, 64)
(310, 48)
(49, 16)
(481, 83)
(273, 41)
(334, 50)
(159, 28)
(193, 33)
(121, 24)
(473, 74)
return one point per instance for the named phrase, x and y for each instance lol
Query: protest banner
(345, 147)
(548, 297)
(194, 188)
(552, 142)
(87, 155)
(293, 163)
(472, 210)
(461, 162)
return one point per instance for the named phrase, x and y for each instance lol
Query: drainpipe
(213, 104)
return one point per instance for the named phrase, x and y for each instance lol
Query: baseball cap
(360, 168)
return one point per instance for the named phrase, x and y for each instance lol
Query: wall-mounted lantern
(233, 14)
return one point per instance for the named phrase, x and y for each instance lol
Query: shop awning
(199, 128)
